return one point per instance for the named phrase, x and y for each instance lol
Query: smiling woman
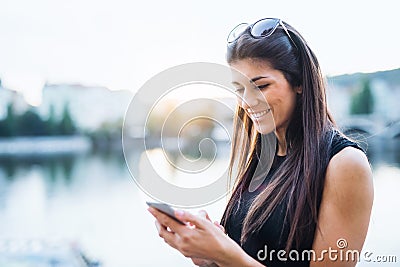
(277, 95)
(318, 194)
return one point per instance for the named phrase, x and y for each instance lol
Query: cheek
(290, 106)
(283, 106)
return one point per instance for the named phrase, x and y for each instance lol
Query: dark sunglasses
(260, 29)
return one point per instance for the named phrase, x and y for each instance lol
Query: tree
(67, 125)
(8, 125)
(363, 101)
(52, 125)
(30, 124)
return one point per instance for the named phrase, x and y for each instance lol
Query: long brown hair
(300, 178)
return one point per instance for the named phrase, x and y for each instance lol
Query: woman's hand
(204, 262)
(201, 240)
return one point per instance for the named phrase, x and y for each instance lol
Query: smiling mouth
(258, 115)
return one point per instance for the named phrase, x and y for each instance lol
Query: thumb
(188, 217)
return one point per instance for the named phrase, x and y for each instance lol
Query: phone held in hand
(166, 209)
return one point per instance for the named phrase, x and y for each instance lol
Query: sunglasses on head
(260, 29)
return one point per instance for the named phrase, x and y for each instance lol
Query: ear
(299, 90)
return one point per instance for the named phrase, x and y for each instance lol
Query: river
(91, 199)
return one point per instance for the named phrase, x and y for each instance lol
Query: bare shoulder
(349, 177)
(348, 166)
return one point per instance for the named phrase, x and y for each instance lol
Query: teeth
(259, 114)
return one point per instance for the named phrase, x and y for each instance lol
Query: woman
(313, 207)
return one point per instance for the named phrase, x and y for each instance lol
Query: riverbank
(44, 145)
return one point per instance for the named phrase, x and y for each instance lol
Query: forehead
(251, 68)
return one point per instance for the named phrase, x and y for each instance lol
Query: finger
(185, 216)
(169, 237)
(200, 262)
(219, 226)
(162, 228)
(165, 220)
(204, 214)
(158, 226)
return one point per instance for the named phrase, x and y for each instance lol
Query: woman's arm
(203, 240)
(345, 210)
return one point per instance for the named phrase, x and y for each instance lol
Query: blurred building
(90, 107)
(14, 98)
(93, 107)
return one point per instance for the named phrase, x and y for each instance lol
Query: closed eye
(262, 86)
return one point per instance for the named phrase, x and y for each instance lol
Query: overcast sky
(121, 44)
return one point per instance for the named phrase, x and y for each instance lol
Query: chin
(265, 129)
(265, 126)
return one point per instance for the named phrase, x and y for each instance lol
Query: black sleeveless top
(275, 231)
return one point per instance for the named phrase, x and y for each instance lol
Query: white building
(11, 97)
(89, 107)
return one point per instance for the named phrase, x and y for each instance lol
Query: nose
(249, 99)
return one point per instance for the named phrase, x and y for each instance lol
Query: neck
(281, 136)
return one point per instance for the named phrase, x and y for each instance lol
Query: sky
(120, 44)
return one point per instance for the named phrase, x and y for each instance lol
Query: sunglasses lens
(236, 32)
(264, 27)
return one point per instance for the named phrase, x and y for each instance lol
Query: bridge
(370, 126)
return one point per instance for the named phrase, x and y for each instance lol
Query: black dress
(274, 233)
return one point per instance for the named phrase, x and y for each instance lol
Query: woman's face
(265, 94)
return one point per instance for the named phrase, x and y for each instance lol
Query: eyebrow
(253, 79)
(258, 78)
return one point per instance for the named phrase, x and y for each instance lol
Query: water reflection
(92, 199)
(60, 169)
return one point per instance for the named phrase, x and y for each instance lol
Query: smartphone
(166, 209)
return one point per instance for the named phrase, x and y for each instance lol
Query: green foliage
(362, 102)
(7, 126)
(67, 126)
(391, 77)
(31, 124)
(51, 123)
